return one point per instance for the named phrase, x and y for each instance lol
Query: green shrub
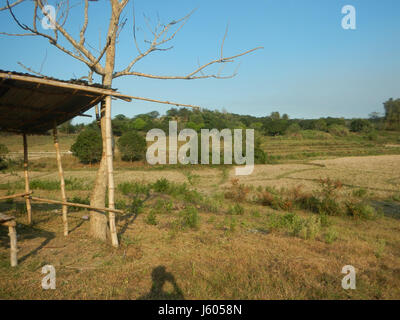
(338, 130)
(132, 146)
(293, 128)
(236, 209)
(295, 225)
(161, 185)
(360, 210)
(260, 157)
(88, 146)
(360, 125)
(134, 188)
(151, 218)
(330, 235)
(360, 193)
(189, 217)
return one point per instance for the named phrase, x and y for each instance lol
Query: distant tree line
(131, 132)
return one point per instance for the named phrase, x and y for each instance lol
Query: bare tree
(102, 63)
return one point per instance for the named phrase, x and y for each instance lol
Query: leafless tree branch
(11, 5)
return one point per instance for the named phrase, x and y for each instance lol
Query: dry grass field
(199, 233)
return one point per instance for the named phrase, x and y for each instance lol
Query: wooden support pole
(110, 173)
(13, 196)
(62, 181)
(13, 242)
(27, 190)
(78, 205)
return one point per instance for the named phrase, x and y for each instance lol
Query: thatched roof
(31, 104)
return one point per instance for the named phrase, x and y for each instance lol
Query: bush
(293, 128)
(338, 130)
(360, 125)
(236, 210)
(132, 146)
(151, 218)
(238, 192)
(88, 146)
(295, 225)
(190, 218)
(260, 157)
(360, 210)
(331, 235)
(161, 185)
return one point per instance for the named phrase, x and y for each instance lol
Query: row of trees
(271, 125)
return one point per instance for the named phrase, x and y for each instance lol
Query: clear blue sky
(310, 66)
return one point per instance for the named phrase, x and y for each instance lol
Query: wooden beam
(78, 205)
(17, 195)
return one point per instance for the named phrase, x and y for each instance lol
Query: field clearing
(227, 256)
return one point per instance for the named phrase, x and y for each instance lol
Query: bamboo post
(13, 242)
(62, 181)
(110, 173)
(27, 190)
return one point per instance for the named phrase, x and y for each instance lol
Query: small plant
(330, 235)
(161, 185)
(330, 187)
(189, 217)
(255, 213)
(380, 248)
(360, 210)
(236, 209)
(134, 189)
(151, 218)
(295, 225)
(238, 192)
(193, 179)
(360, 193)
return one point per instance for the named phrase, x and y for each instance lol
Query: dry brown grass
(228, 257)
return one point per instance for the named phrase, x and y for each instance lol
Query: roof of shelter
(31, 104)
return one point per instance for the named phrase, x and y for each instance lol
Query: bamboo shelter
(33, 105)
(36, 105)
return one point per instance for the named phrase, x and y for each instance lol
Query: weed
(295, 225)
(161, 185)
(330, 235)
(360, 193)
(380, 248)
(151, 218)
(360, 210)
(189, 217)
(238, 192)
(236, 209)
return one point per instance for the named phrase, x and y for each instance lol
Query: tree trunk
(98, 225)
(98, 220)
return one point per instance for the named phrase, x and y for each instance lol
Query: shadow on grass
(26, 232)
(160, 277)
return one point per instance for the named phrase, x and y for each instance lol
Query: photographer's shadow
(160, 277)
